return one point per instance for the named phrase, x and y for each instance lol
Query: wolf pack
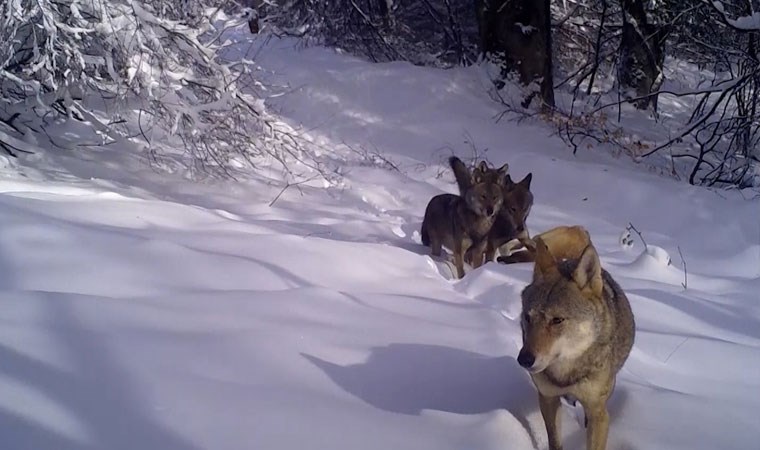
(577, 324)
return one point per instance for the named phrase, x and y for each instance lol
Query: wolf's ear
(483, 166)
(546, 264)
(588, 273)
(508, 183)
(502, 174)
(526, 181)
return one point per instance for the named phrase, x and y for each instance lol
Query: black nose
(489, 211)
(526, 359)
(520, 228)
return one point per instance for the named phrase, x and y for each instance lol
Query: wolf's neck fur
(564, 374)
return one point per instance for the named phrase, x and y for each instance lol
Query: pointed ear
(588, 273)
(483, 166)
(526, 181)
(508, 183)
(546, 265)
(501, 173)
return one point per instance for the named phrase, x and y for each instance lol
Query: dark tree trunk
(547, 80)
(257, 12)
(642, 53)
(517, 34)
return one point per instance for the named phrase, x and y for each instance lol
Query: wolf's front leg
(550, 412)
(490, 250)
(598, 425)
(476, 252)
(458, 257)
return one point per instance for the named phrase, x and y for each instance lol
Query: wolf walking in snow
(518, 200)
(578, 330)
(461, 223)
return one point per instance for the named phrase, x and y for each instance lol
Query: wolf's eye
(526, 317)
(557, 320)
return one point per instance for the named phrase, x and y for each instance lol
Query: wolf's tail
(461, 173)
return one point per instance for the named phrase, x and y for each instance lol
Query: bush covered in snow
(149, 71)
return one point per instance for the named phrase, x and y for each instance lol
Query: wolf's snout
(489, 211)
(526, 359)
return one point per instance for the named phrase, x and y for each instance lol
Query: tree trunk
(642, 53)
(257, 13)
(517, 35)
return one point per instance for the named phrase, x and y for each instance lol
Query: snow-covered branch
(159, 68)
(749, 22)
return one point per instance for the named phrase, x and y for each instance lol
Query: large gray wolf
(577, 329)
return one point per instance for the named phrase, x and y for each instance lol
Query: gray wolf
(518, 200)
(510, 224)
(462, 222)
(578, 330)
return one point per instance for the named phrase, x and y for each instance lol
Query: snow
(526, 29)
(143, 310)
(748, 23)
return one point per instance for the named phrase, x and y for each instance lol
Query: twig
(289, 184)
(468, 139)
(685, 283)
(632, 228)
(373, 156)
(8, 150)
(675, 349)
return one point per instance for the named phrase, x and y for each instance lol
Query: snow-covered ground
(141, 310)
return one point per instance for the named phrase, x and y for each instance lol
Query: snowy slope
(140, 310)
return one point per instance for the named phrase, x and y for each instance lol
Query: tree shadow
(410, 378)
(98, 393)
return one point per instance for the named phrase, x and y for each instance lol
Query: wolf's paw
(444, 266)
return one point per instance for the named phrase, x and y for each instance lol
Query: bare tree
(517, 35)
(429, 32)
(642, 53)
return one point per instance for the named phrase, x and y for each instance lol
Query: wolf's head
(559, 318)
(482, 173)
(518, 200)
(467, 178)
(485, 199)
(482, 188)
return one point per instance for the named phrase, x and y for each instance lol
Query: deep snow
(141, 310)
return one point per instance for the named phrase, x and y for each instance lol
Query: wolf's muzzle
(526, 359)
